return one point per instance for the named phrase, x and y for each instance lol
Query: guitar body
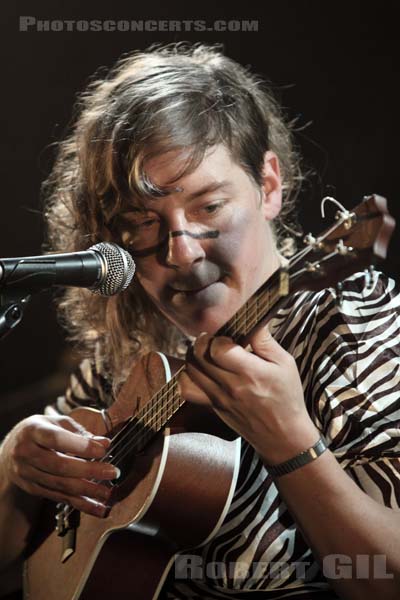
(172, 497)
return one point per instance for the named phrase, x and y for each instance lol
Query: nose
(183, 249)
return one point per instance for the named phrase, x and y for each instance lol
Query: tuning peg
(342, 249)
(312, 242)
(348, 218)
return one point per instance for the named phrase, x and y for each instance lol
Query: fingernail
(106, 442)
(102, 440)
(111, 472)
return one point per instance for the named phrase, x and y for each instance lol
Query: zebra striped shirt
(347, 350)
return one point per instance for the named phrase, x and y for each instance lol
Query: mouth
(196, 296)
(192, 289)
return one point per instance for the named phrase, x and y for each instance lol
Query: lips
(192, 288)
(192, 283)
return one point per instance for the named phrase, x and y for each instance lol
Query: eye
(147, 223)
(212, 208)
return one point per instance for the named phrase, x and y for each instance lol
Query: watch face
(300, 460)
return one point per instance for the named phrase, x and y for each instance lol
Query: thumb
(264, 345)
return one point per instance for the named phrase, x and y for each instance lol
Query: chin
(209, 321)
(206, 312)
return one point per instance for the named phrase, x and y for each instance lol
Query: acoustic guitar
(179, 462)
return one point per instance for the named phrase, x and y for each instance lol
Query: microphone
(104, 268)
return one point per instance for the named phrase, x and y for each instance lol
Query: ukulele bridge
(67, 521)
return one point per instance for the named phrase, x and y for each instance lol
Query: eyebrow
(208, 188)
(212, 186)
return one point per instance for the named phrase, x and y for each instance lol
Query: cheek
(150, 279)
(238, 239)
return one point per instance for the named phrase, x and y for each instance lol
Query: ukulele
(179, 462)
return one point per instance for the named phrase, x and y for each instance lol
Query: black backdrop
(334, 65)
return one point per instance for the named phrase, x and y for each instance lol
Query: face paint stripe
(196, 236)
(154, 249)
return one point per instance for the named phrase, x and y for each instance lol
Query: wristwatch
(298, 461)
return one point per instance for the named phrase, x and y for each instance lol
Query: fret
(170, 401)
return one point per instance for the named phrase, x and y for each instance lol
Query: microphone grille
(119, 272)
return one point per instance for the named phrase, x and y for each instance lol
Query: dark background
(333, 65)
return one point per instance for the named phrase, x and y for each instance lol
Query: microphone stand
(12, 307)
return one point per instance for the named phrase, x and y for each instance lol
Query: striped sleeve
(355, 383)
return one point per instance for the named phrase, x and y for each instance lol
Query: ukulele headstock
(359, 239)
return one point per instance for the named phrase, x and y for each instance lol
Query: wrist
(299, 460)
(291, 441)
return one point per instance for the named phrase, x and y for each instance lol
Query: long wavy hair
(180, 96)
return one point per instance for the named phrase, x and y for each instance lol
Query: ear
(271, 186)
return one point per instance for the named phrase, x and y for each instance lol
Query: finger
(75, 427)
(190, 391)
(55, 437)
(81, 503)
(210, 389)
(71, 424)
(70, 486)
(57, 463)
(228, 362)
(209, 353)
(201, 348)
(265, 346)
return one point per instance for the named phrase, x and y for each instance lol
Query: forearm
(336, 517)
